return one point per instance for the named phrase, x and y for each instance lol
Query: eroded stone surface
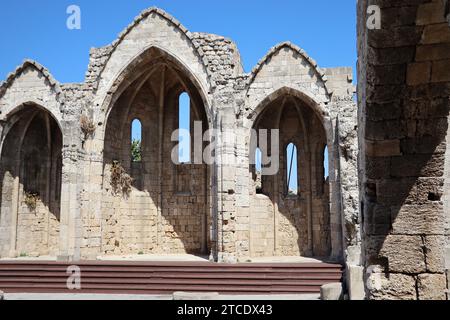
(403, 110)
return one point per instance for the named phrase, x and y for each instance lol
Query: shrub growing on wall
(120, 180)
(31, 199)
(87, 126)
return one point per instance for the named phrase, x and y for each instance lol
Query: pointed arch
(14, 93)
(295, 49)
(140, 66)
(304, 123)
(154, 29)
(31, 179)
(318, 108)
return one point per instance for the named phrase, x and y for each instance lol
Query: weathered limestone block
(436, 33)
(392, 287)
(418, 73)
(386, 148)
(418, 219)
(431, 13)
(431, 286)
(391, 55)
(355, 282)
(331, 291)
(441, 71)
(389, 74)
(435, 253)
(404, 253)
(398, 16)
(433, 52)
(378, 219)
(372, 247)
(417, 165)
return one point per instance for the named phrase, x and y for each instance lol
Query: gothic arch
(295, 49)
(318, 108)
(309, 134)
(149, 88)
(300, 76)
(149, 28)
(46, 93)
(30, 168)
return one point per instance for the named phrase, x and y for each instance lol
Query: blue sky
(33, 29)
(37, 30)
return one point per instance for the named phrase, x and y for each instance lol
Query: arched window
(258, 170)
(184, 126)
(291, 169)
(325, 163)
(136, 141)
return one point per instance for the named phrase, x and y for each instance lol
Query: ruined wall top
(213, 60)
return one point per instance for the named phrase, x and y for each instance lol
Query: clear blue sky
(34, 29)
(37, 30)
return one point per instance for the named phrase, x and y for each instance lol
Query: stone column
(242, 195)
(91, 202)
(226, 182)
(71, 185)
(335, 202)
(403, 94)
(346, 129)
(14, 217)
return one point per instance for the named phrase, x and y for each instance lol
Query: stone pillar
(243, 177)
(226, 182)
(14, 217)
(346, 129)
(70, 208)
(71, 186)
(403, 94)
(335, 208)
(91, 202)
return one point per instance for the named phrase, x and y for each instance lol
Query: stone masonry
(70, 187)
(58, 192)
(403, 93)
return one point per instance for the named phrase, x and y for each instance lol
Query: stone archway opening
(31, 175)
(290, 214)
(166, 209)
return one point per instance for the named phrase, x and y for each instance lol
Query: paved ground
(48, 296)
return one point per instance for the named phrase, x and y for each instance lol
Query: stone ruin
(71, 188)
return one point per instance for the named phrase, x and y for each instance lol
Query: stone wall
(403, 94)
(177, 208)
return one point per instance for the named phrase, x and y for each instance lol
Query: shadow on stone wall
(31, 173)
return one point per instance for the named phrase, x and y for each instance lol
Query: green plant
(31, 199)
(136, 153)
(23, 255)
(120, 180)
(140, 253)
